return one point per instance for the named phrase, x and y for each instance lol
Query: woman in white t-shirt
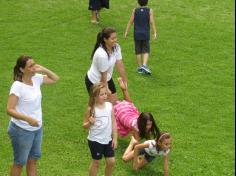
(106, 55)
(24, 108)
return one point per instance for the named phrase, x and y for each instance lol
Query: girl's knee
(96, 163)
(125, 159)
(111, 162)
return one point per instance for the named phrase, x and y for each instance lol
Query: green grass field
(190, 93)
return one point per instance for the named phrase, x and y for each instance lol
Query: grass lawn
(190, 93)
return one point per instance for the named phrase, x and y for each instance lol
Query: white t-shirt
(152, 151)
(101, 63)
(29, 102)
(101, 130)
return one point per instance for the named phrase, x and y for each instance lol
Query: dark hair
(142, 2)
(104, 34)
(142, 122)
(20, 63)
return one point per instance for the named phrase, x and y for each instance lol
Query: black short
(147, 157)
(98, 150)
(142, 46)
(98, 4)
(110, 83)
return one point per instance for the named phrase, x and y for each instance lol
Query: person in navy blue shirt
(142, 17)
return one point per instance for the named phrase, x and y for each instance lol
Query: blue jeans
(26, 144)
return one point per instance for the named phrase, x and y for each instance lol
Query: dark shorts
(98, 4)
(110, 83)
(98, 150)
(142, 46)
(147, 157)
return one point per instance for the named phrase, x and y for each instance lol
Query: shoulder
(100, 52)
(108, 104)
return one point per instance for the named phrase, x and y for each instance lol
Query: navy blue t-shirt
(142, 23)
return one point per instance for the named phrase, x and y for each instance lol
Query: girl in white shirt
(102, 138)
(144, 153)
(24, 107)
(106, 55)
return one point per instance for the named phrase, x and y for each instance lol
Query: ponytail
(104, 34)
(20, 63)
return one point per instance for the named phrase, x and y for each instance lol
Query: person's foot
(121, 83)
(146, 69)
(140, 69)
(94, 22)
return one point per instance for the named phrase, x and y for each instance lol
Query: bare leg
(129, 152)
(16, 170)
(94, 168)
(139, 163)
(110, 163)
(145, 58)
(139, 59)
(93, 16)
(31, 167)
(124, 89)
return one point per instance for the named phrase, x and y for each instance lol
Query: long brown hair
(104, 34)
(142, 122)
(20, 63)
(94, 93)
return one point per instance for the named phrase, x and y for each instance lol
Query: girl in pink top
(130, 120)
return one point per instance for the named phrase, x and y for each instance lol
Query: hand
(126, 34)
(155, 36)
(114, 144)
(38, 68)
(92, 120)
(32, 122)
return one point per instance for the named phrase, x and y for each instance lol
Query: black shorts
(98, 4)
(147, 157)
(89, 84)
(98, 150)
(142, 46)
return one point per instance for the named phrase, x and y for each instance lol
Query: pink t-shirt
(126, 115)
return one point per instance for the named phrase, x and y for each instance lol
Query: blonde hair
(94, 93)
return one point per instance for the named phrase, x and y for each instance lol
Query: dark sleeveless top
(142, 23)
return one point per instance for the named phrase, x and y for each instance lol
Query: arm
(88, 119)
(121, 70)
(104, 81)
(49, 77)
(114, 131)
(152, 21)
(165, 158)
(131, 21)
(135, 134)
(11, 104)
(136, 164)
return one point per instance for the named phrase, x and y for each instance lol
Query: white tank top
(101, 130)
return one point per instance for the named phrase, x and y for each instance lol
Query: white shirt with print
(29, 101)
(101, 130)
(152, 151)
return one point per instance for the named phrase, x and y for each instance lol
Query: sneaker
(140, 69)
(146, 69)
